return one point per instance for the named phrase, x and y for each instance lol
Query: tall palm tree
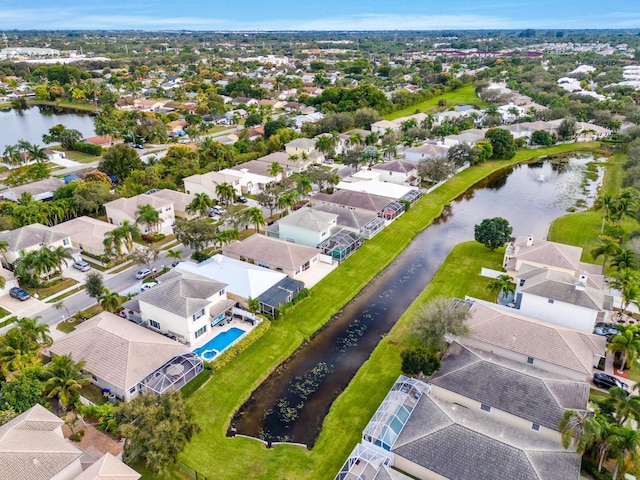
(176, 255)
(274, 169)
(37, 153)
(38, 332)
(287, 200)
(578, 428)
(62, 256)
(200, 204)
(110, 301)
(625, 448)
(11, 155)
(304, 185)
(4, 246)
(502, 286)
(225, 192)
(627, 344)
(125, 234)
(17, 351)
(324, 144)
(254, 215)
(148, 216)
(64, 380)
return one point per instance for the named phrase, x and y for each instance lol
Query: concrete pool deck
(217, 330)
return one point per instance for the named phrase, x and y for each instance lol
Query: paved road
(118, 283)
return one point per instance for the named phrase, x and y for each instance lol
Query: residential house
(177, 127)
(295, 164)
(470, 137)
(184, 304)
(398, 171)
(510, 112)
(562, 351)
(123, 209)
(366, 224)
(103, 141)
(255, 176)
(127, 359)
(359, 201)
(519, 130)
(208, 182)
(86, 233)
(382, 126)
(40, 190)
(299, 146)
(286, 257)
(245, 101)
(33, 447)
(247, 281)
(392, 191)
(305, 226)
(424, 152)
(33, 237)
(180, 201)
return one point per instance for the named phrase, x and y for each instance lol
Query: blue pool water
(218, 343)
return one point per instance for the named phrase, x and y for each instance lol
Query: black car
(19, 293)
(242, 199)
(603, 380)
(605, 329)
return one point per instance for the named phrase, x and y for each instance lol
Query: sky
(317, 14)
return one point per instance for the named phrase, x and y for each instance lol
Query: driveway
(25, 308)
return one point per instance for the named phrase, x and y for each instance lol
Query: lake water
(30, 124)
(292, 403)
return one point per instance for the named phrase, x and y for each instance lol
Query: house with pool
(183, 305)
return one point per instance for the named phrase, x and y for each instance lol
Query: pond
(30, 124)
(291, 404)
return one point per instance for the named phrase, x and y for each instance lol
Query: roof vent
(529, 240)
(583, 278)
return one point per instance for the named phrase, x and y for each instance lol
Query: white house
(33, 237)
(86, 233)
(305, 226)
(123, 209)
(375, 187)
(398, 171)
(183, 304)
(428, 150)
(208, 182)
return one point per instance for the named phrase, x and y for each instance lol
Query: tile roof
(181, 293)
(85, 231)
(309, 219)
(131, 205)
(180, 200)
(563, 287)
(32, 446)
(272, 251)
(400, 166)
(373, 187)
(347, 217)
(37, 188)
(31, 235)
(544, 341)
(360, 200)
(109, 467)
(548, 253)
(117, 350)
(462, 444)
(523, 395)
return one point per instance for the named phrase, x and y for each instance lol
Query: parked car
(217, 210)
(605, 329)
(143, 273)
(603, 380)
(20, 294)
(242, 199)
(82, 266)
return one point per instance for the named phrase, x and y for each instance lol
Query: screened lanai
(391, 211)
(341, 244)
(364, 463)
(176, 373)
(412, 197)
(394, 411)
(369, 230)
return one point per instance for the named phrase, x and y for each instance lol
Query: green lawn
(216, 456)
(583, 228)
(59, 285)
(463, 96)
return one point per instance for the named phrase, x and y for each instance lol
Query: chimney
(529, 240)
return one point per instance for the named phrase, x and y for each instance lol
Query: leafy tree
(461, 154)
(435, 169)
(23, 391)
(156, 429)
(200, 204)
(493, 232)
(196, 234)
(252, 120)
(502, 142)
(64, 380)
(568, 129)
(97, 176)
(542, 137)
(225, 192)
(483, 152)
(419, 360)
(145, 255)
(120, 160)
(438, 320)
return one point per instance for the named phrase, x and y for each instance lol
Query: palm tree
(225, 192)
(200, 204)
(64, 380)
(627, 344)
(304, 185)
(355, 140)
(606, 203)
(62, 255)
(624, 405)
(287, 200)
(176, 255)
(148, 216)
(625, 447)
(578, 428)
(502, 286)
(125, 235)
(624, 259)
(225, 237)
(324, 144)
(37, 153)
(606, 249)
(274, 169)
(110, 301)
(11, 155)
(37, 332)
(4, 246)
(390, 150)
(17, 351)
(254, 215)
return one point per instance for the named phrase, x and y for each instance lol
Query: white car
(143, 273)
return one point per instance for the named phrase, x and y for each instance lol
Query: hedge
(89, 148)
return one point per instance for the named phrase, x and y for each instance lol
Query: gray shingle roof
(519, 394)
(309, 219)
(348, 218)
(272, 251)
(181, 293)
(360, 200)
(563, 287)
(30, 235)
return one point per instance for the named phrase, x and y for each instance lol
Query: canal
(291, 404)
(30, 124)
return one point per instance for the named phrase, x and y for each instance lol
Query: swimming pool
(219, 343)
